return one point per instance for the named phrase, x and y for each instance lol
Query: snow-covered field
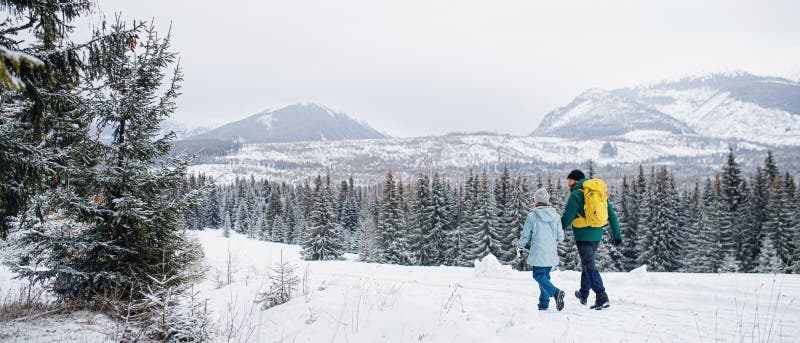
(358, 302)
(347, 301)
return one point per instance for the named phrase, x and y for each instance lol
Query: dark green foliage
(502, 233)
(323, 240)
(663, 249)
(392, 236)
(482, 217)
(668, 229)
(120, 222)
(41, 116)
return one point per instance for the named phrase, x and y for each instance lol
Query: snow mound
(490, 266)
(350, 257)
(639, 272)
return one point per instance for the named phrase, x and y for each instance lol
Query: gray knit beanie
(541, 195)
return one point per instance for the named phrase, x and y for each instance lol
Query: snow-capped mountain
(298, 122)
(599, 113)
(688, 123)
(736, 105)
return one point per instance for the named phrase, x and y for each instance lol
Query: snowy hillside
(298, 122)
(346, 301)
(598, 113)
(725, 106)
(370, 159)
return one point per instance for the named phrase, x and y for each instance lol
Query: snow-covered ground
(347, 301)
(80, 326)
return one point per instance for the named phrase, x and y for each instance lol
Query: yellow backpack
(595, 205)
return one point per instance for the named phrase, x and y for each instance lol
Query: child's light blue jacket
(543, 229)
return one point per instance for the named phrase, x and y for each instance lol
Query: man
(589, 231)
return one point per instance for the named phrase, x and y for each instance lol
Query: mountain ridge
(293, 123)
(740, 105)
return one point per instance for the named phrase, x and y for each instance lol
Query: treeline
(724, 223)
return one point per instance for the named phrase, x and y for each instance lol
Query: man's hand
(617, 241)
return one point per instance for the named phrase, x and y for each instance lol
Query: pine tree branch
(14, 30)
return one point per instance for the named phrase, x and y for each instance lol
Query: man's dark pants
(590, 277)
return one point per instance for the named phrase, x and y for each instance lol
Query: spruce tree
(730, 264)
(283, 284)
(242, 224)
(502, 233)
(403, 194)
(121, 223)
(791, 209)
(300, 230)
(341, 198)
(732, 196)
(213, 209)
(479, 243)
(701, 242)
(768, 259)
(641, 199)
(683, 219)
(226, 226)
(780, 225)
(274, 209)
(323, 240)
(420, 224)
(715, 209)
(756, 215)
(279, 229)
(259, 230)
(519, 208)
(290, 221)
(368, 244)
(662, 252)
(44, 127)
(628, 224)
(349, 217)
(456, 252)
(435, 242)
(392, 237)
(770, 168)
(709, 242)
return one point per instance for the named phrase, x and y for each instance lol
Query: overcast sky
(420, 67)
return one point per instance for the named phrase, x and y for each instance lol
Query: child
(543, 230)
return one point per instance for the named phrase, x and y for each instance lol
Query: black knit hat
(576, 175)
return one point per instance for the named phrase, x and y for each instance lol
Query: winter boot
(600, 301)
(560, 300)
(581, 297)
(541, 308)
